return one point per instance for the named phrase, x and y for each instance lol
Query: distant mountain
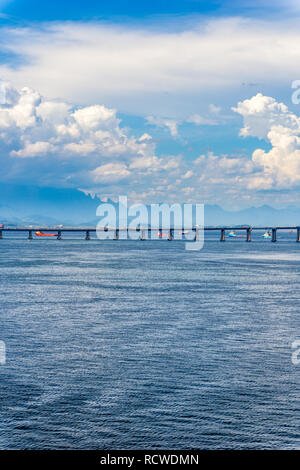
(259, 216)
(28, 205)
(32, 204)
(255, 216)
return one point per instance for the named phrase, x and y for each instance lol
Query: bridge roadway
(222, 229)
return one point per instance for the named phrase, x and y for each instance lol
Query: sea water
(144, 345)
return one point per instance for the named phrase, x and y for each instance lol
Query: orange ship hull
(41, 234)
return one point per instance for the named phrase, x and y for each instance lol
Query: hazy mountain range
(23, 205)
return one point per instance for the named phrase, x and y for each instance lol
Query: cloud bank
(152, 70)
(90, 139)
(52, 142)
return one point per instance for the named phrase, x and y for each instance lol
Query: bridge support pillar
(30, 235)
(274, 235)
(222, 239)
(59, 235)
(143, 235)
(171, 234)
(87, 235)
(298, 234)
(1, 236)
(116, 237)
(248, 237)
(196, 235)
(149, 233)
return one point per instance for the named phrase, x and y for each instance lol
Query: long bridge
(171, 231)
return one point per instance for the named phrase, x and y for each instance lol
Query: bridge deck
(93, 229)
(88, 230)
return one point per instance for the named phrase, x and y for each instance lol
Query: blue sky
(123, 10)
(176, 101)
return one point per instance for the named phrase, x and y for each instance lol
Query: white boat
(267, 235)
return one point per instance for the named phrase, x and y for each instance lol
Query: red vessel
(42, 234)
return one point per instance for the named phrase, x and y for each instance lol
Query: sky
(162, 101)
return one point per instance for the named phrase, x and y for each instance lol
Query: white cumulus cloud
(111, 172)
(83, 146)
(36, 126)
(200, 120)
(170, 124)
(267, 119)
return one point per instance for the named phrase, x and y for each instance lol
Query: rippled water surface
(130, 344)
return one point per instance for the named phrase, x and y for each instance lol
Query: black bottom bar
(139, 458)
